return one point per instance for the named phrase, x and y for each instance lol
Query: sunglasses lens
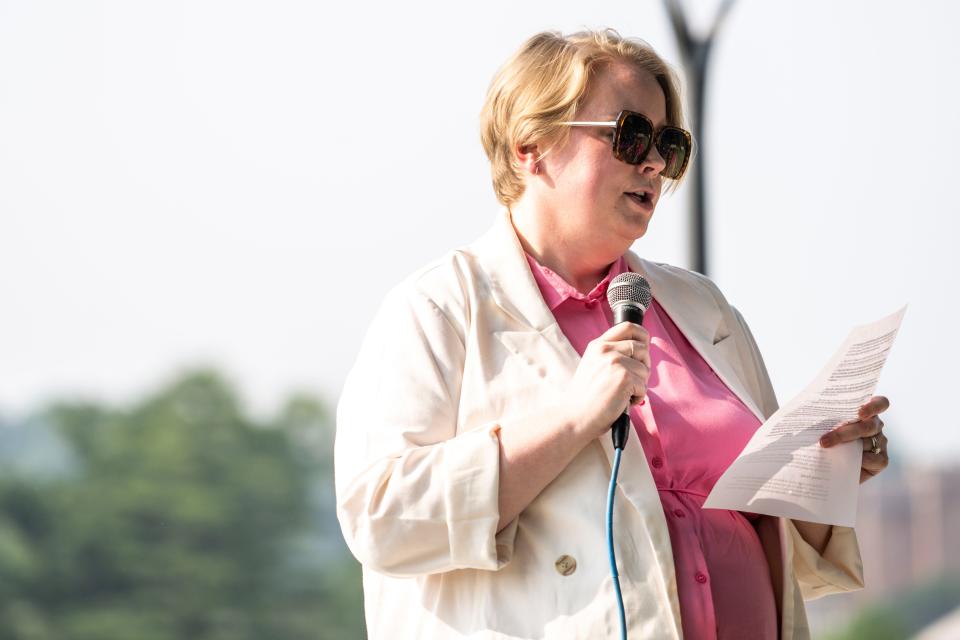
(636, 136)
(674, 148)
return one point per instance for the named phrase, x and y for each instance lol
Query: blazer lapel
(514, 290)
(511, 284)
(696, 313)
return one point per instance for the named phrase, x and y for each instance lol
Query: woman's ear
(527, 157)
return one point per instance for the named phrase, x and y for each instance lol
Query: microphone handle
(627, 313)
(621, 426)
(619, 430)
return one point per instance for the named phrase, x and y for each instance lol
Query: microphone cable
(619, 433)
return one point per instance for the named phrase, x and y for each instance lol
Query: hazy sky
(239, 183)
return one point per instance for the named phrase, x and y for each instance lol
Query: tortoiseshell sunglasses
(633, 133)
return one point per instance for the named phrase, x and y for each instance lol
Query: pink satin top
(691, 428)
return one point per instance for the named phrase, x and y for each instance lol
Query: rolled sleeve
(472, 499)
(431, 509)
(838, 569)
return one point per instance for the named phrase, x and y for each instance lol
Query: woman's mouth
(641, 199)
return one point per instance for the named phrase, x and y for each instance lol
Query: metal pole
(695, 53)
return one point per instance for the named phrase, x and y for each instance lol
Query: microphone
(629, 297)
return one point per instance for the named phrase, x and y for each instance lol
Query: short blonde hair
(543, 84)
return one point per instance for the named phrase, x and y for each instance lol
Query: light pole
(695, 52)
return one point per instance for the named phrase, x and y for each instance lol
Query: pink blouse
(691, 428)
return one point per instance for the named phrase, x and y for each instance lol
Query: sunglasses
(634, 136)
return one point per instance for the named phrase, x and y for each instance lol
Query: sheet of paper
(783, 470)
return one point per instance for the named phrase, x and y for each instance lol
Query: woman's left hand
(868, 428)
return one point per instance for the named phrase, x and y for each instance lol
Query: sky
(238, 184)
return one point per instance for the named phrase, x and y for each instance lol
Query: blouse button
(699, 577)
(656, 462)
(679, 513)
(565, 565)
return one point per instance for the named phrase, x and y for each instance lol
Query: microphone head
(629, 289)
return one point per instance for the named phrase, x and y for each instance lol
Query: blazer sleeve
(414, 497)
(839, 568)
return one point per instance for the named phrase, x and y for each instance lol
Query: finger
(850, 431)
(626, 331)
(874, 462)
(640, 369)
(874, 406)
(639, 394)
(868, 443)
(640, 351)
(881, 440)
(631, 349)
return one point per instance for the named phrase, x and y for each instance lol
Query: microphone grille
(629, 288)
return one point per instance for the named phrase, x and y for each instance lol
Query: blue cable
(613, 557)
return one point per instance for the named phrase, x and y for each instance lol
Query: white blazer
(462, 347)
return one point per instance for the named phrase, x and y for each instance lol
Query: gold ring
(876, 445)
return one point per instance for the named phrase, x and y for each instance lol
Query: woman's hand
(869, 430)
(611, 375)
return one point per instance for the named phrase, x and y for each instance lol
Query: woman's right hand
(611, 376)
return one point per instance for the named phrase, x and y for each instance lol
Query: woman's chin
(636, 224)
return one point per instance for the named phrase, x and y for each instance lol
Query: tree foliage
(904, 614)
(182, 517)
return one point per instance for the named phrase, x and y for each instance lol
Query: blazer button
(565, 565)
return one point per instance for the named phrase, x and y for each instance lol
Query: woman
(473, 449)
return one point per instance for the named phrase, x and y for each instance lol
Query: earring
(536, 169)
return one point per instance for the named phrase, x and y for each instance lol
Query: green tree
(901, 615)
(182, 517)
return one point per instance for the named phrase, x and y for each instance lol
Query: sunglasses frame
(617, 126)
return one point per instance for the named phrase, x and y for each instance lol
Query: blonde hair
(543, 84)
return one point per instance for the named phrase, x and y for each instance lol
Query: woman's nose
(654, 162)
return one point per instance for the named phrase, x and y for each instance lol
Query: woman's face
(585, 189)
